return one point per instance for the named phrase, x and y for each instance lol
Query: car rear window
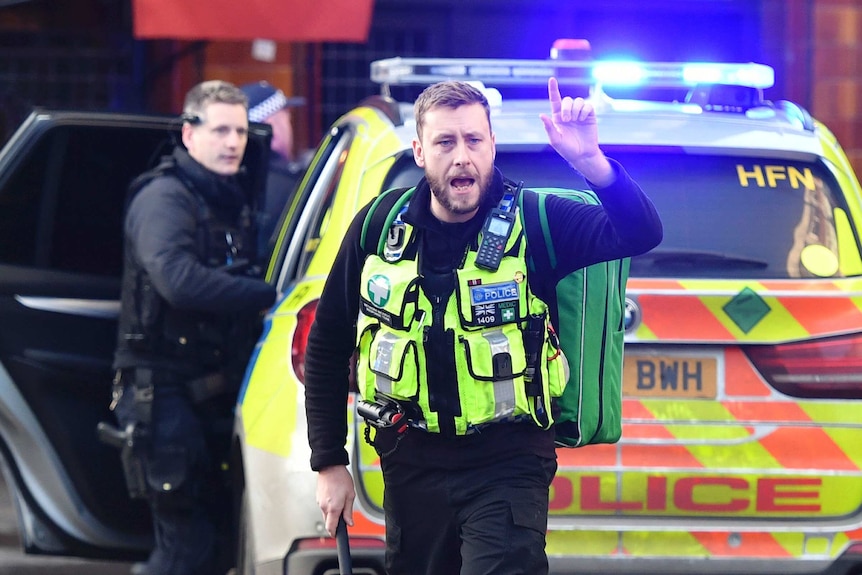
(724, 216)
(740, 217)
(61, 205)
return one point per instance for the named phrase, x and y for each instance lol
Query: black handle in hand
(345, 565)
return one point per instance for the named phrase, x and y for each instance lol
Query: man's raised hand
(573, 132)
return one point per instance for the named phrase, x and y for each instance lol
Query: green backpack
(590, 325)
(590, 310)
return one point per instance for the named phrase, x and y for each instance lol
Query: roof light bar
(404, 71)
(671, 74)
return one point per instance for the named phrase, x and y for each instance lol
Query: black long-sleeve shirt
(626, 224)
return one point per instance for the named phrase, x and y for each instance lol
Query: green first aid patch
(378, 289)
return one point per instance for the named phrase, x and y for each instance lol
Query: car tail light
(304, 319)
(825, 368)
(356, 543)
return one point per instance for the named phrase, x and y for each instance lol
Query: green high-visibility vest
(487, 312)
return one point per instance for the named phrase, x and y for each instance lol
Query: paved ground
(14, 562)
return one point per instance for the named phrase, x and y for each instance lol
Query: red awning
(279, 20)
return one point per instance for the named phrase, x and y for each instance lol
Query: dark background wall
(693, 30)
(81, 54)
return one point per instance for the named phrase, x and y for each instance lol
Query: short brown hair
(212, 92)
(448, 94)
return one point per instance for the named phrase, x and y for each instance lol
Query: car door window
(310, 219)
(62, 206)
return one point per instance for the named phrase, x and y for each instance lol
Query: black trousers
(188, 518)
(488, 520)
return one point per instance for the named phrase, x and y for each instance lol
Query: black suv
(63, 177)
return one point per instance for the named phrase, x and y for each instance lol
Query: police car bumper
(845, 565)
(323, 559)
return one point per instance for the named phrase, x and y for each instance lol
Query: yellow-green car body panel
(726, 463)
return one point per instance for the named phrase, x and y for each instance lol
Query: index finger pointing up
(554, 97)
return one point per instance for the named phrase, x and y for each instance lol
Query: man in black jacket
(466, 487)
(188, 321)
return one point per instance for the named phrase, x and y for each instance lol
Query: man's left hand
(573, 132)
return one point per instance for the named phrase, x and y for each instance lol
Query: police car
(741, 377)
(741, 407)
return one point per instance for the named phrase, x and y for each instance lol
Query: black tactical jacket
(188, 303)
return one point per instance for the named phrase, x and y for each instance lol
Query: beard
(440, 189)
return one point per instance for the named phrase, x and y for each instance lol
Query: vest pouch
(484, 303)
(494, 361)
(192, 336)
(143, 333)
(167, 468)
(391, 364)
(149, 303)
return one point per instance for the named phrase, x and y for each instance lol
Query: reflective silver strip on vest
(383, 362)
(504, 389)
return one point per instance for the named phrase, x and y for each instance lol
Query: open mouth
(462, 184)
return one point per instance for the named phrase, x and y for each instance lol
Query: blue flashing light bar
(393, 71)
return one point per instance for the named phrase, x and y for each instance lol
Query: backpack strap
(380, 216)
(531, 206)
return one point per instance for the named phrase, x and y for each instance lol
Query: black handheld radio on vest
(495, 233)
